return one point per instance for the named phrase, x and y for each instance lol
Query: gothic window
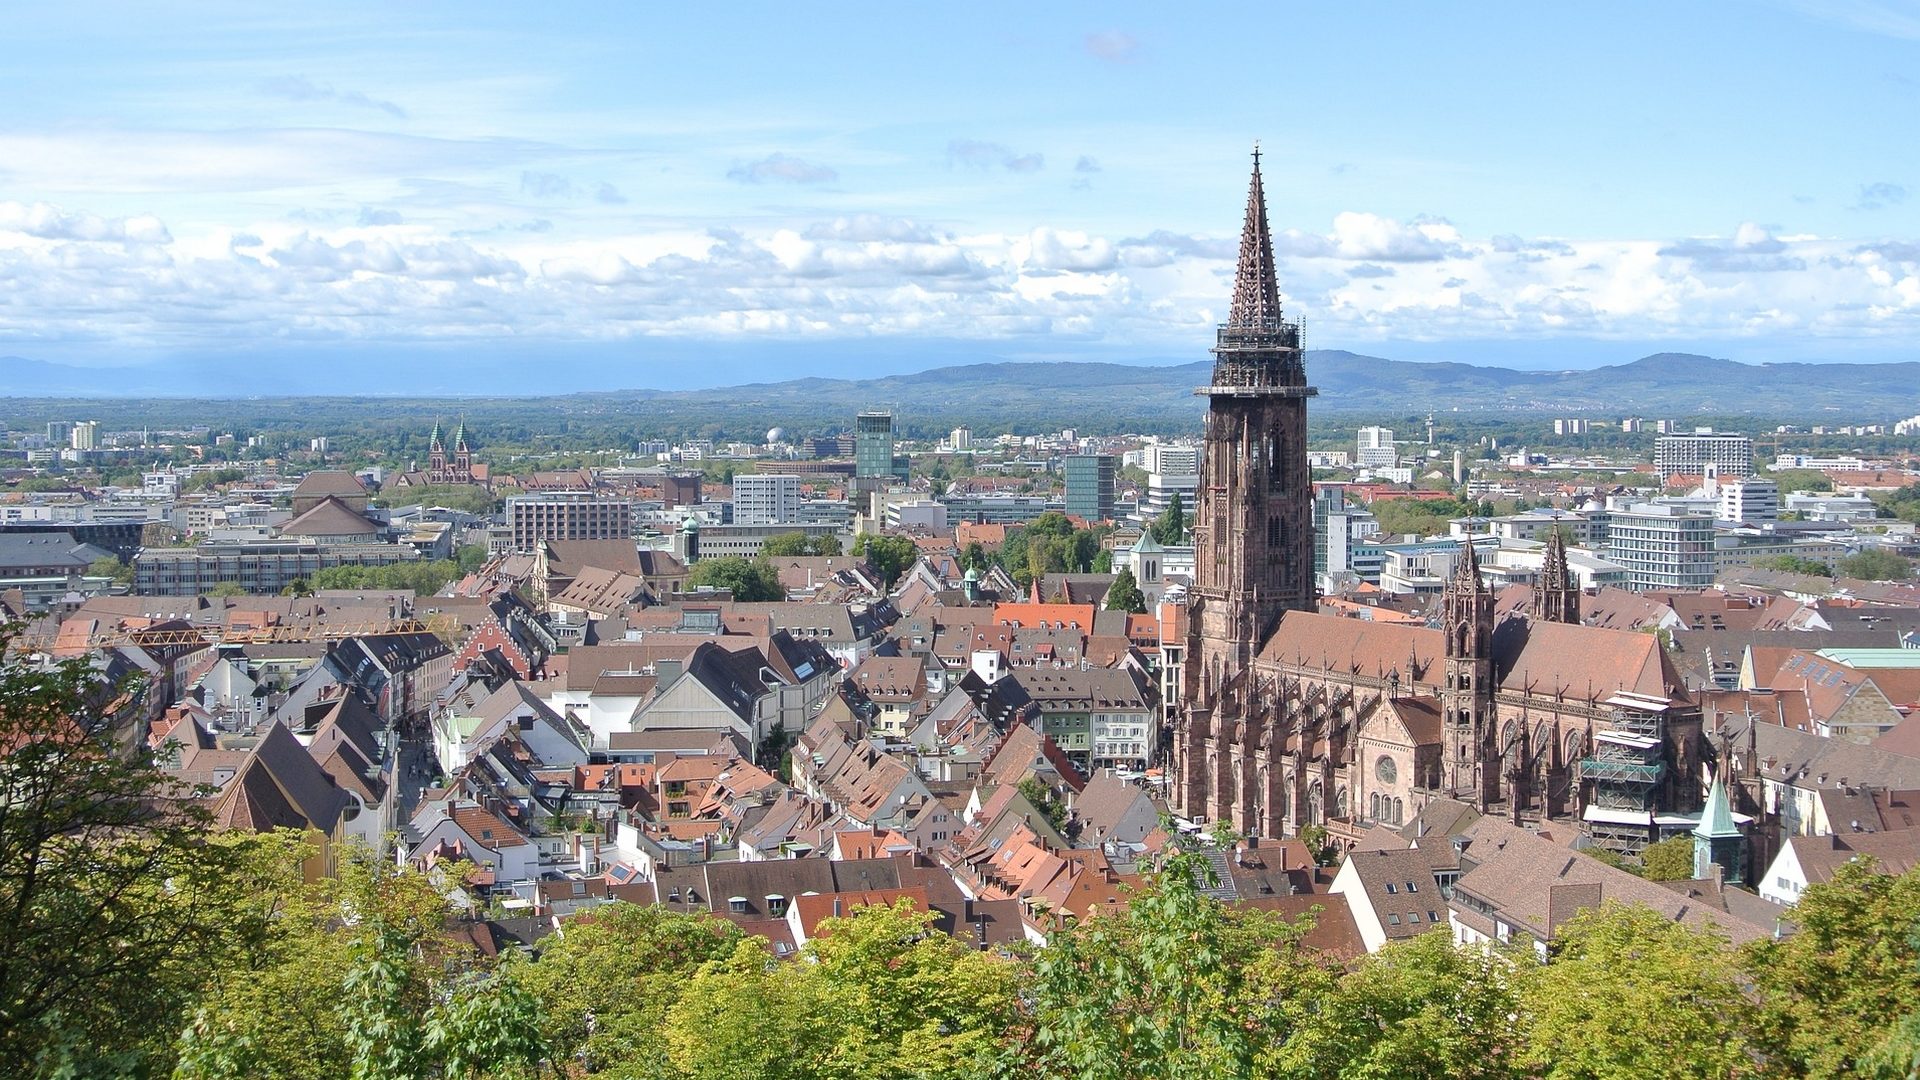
(1373, 804)
(1573, 747)
(1340, 802)
(1399, 811)
(1316, 802)
(1508, 736)
(1385, 770)
(1273, 532)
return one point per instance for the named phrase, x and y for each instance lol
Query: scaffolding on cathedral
(1625, 768)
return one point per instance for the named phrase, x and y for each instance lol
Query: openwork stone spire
(1554, 574)
(1466, 569)
(1256, 292)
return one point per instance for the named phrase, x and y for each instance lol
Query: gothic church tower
(1253, 527)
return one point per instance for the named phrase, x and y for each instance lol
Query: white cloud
(67, 274)
(45, 221)
(1113, 46)
(977, 154)
(301, 88)
(784, 169)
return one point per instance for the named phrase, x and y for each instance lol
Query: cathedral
(1292, 718)
(442, 469)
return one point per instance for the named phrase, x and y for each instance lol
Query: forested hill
(1038, 396)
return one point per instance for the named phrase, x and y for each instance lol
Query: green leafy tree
(1170, 528)
(1875, 564)
(751, 581)
(1125, 594)
(1631, 994)
(1828, 991)
(878, 995)
(1668, 860)
(111, 567)
(1795, 564)
(609, 981)
(890, 555)
(115, 900)
(799, 543)
(361, 979)
(228, 588)
(1043, 800)
(1103, 561)
(421, 578)
(1792, 480)
(786, 544)
(470, 557)
(1176, 986)
(1420, 1009)
(974, 557)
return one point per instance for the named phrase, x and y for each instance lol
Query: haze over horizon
(677, 199)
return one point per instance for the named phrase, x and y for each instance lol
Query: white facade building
(763, 499)
(1749, 499)
(1376, 448)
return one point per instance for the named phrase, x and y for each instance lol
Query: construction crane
(269, 635)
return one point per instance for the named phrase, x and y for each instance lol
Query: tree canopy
(751, 581)
(1125, 594)
(799, 543)
(890, 555)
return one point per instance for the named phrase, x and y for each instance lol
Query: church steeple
(1717, 841)
(433, 440)
(1557, 597)
(1466, 695)
(1256, 291)
(1253, 526)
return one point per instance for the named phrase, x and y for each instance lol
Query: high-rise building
(961, 439)
(766, 499)
(1090, 484)
(85, 435)
(873, 445)
(1253, 528)
(1376, 448)
(1689, 455)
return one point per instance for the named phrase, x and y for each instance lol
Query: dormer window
(737, 905)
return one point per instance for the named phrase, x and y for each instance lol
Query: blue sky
(674, 195)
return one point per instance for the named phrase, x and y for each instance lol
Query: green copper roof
(1716, 821)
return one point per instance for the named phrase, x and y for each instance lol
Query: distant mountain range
(1665, 384)
(1055, 394)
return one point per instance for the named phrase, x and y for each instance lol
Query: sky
(677, 195)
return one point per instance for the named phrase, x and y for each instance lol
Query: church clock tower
(1253, 527)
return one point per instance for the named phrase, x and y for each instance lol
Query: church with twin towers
(1291, 718)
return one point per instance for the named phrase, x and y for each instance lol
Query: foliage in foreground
(136, 945)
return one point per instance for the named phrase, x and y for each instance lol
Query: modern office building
(1376, 448)
(1749, 499)
(1662, 546)
(1689, 455)
(567, 515)
(872, 446)
(760, 499)
(1338, 527)
(1090, 484)
(262, 567)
